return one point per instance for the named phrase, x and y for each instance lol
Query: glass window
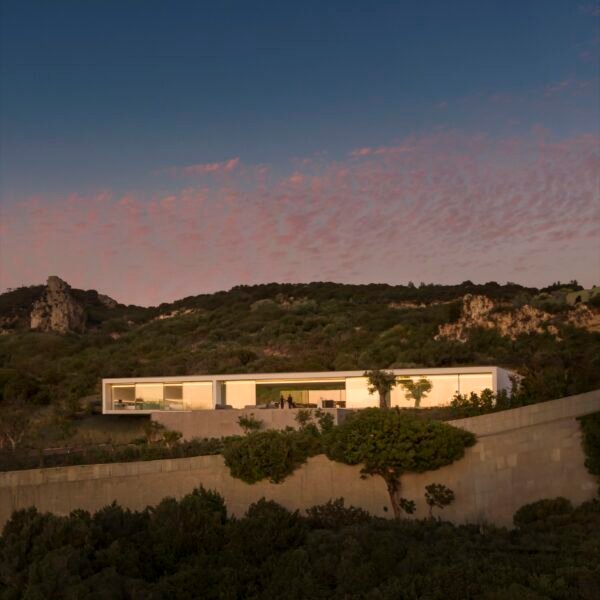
(173, 396)
(197, 395)
(149, 396)
(123, 397)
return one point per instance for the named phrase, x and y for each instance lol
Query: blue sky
(118, 97)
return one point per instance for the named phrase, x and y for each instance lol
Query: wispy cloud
(226, 166)
(439, 207)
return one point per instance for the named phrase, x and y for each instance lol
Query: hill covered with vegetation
(297, 327)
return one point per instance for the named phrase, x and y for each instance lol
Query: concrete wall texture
(522, 455)
(222, 423)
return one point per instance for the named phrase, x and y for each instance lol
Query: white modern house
(330, 389)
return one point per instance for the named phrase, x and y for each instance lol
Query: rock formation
(583, 316)
(478, 311)
(57, 310)
(107, 301)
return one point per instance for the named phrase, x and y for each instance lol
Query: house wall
(521, 456)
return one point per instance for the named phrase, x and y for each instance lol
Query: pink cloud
(206, 168)
(445, 207)
(380, 151)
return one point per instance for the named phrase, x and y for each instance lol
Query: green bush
(542, 510)
(333, 515)
(270, 454)
(438, 495)
(249, 423)
(473, 404)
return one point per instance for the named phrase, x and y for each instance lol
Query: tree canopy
(381, 382)
(416, 390)
(192, 548)
(388, 443)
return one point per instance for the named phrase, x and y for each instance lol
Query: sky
(153, 150)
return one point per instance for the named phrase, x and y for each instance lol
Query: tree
(382, 382)
(154, 431)
(438, 495)
(15, 424)
(389, 444)
(171, 438)
(416, 390)
(408, 506)
(157, 433)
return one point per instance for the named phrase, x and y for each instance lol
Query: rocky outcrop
(583, 316)
(107, 301)
(478, 311)
(57, 310)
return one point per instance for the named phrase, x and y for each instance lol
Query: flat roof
(323, 376)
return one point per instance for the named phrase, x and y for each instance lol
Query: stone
(478, 311)
(57, 310)
(107, 301)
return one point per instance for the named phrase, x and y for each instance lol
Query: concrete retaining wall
(521, 456)
(222, 423)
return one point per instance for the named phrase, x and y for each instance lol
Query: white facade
(148, 395)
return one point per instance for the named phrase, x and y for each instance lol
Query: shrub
(542, 510)
(317, 420)
(438, 495)
(249, 423)
(333, 515)
(473, 404)
(270, 454)
(408, 506)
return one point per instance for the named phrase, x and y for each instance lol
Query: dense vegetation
(283, 327)
(192, 548)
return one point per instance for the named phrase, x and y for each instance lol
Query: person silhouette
(290, 401)
(281, 401)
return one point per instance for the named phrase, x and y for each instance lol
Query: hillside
(295, 327)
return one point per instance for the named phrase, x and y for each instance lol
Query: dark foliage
(590, 428)
(333, 515)
(11, 461)
(438, 495)
(191, 548)
(542, 510)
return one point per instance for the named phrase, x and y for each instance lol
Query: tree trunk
(384, 399)
(393, 488)
(417, 402)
